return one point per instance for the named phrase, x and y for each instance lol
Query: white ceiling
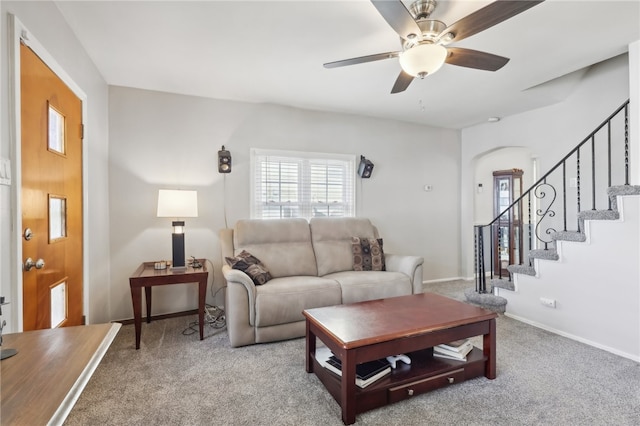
(272, 52)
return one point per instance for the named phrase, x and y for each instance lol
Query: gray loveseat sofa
(310, 265)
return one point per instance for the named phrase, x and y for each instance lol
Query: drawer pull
(410, 392)
(451, 379)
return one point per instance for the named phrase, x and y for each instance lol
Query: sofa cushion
(282, 300)
(368, 254)
(358, 286)
(250, 265)
(331, 239)
(283, 245)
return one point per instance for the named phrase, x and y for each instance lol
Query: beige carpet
(543, 379)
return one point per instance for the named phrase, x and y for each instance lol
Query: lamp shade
(423, 59)
(177, 203)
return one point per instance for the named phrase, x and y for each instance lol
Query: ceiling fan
(424, 41)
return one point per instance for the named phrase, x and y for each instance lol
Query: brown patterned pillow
(367, 254)
(250, 265)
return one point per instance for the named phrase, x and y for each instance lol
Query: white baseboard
(632, 357)
(442, 280)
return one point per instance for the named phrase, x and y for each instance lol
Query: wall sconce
(224, 161)
(365, 168)
(177, 204)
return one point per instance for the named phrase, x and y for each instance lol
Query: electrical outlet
(548, 302)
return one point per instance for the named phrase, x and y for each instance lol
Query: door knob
(29, 264)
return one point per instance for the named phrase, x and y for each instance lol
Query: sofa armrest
(408, 265)
(235, 276)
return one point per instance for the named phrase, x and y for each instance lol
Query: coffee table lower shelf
(424, 374)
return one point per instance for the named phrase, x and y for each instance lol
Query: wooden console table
(411, 325)
(42, 382)
(146, 276)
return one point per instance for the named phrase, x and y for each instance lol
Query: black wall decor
(224, 161)
(365, 168)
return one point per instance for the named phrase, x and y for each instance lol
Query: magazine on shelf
(366, 373)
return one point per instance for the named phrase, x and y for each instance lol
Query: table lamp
(177, 204)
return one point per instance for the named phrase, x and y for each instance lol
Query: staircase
(583, 186)
(576, 239)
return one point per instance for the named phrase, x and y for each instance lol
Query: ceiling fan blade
(487, 17)
(475, 59)
(362, 59)
(402, 82)
(398, 17)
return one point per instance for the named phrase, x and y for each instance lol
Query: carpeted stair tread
(599, 215)
(486, 300)
(614, 191)
(522, 269)
(503, 283)
(569, 236)
(549, 254)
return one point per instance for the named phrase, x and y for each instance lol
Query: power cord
(213, 315)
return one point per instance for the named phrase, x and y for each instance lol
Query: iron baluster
(609, 159)
(578, 185)
(626, 143)
(476, 255)
(593, 172)
(564, 194)
(529, 222)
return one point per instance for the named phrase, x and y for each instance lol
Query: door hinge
(82, 131)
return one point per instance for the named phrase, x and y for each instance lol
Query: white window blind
(301, 184)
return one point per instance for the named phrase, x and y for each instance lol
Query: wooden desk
(42, 382)
(146, 276)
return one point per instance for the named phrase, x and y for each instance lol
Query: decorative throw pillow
(250, 265)
(367, 254)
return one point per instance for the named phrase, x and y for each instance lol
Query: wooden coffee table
(411, 325)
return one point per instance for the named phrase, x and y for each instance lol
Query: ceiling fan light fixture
(423, 59)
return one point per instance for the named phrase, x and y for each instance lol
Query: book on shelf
(455, 354)
(366, 373)
(455, 350)
(457, 345)
(447, 356)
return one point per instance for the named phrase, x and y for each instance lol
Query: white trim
(632, 357)
(442, 280)
(17, 32)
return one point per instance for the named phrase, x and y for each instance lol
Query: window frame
(305, 161)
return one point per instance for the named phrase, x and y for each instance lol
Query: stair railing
(555, 200)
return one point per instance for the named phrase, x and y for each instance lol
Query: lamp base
(177, 243)
(178, 268)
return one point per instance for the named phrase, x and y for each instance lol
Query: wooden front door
(51, 128)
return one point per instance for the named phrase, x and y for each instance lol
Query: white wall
(45, 23)
(634, 119)
(161, 140)
(549, 132)
(596, 287)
